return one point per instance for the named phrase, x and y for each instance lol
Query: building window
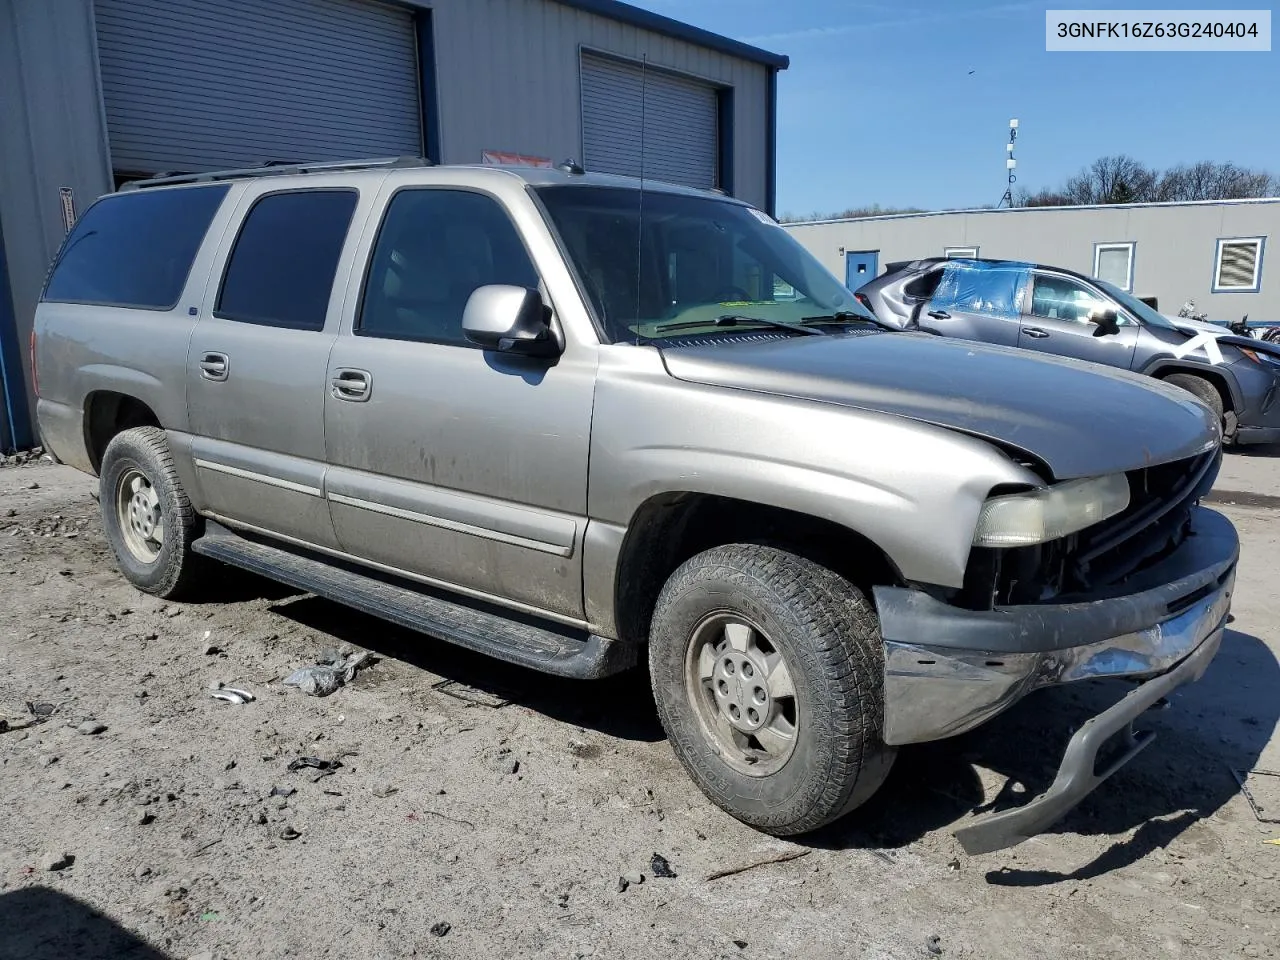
(1237, 267)
(1113, 262)
(961, 253)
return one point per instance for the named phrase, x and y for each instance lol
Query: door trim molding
(454, 525)
(259, 477)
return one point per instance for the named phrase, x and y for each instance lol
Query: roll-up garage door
(193, 85)
(680, 117)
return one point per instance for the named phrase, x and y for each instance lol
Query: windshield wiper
(733, 320)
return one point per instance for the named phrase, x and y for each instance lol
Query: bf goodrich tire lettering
(152, 550)
(828, 634)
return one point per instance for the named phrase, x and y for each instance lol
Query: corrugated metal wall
(51, 136)
(1173, 258)
(509, 80)
(679, 136)
(195, 85)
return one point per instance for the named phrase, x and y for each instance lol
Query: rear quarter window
(134, 249)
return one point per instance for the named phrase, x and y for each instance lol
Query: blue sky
(879, 105)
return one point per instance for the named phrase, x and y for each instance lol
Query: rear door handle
(939, 314)
(1035, 333)
(350, 384)
(214, 366)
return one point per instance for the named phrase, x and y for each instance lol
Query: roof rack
(275, 168)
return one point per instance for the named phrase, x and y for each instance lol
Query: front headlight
(1268, 360)
(1037, 516)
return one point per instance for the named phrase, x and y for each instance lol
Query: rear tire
(149, 522)
(768, 672)
(1202, 390)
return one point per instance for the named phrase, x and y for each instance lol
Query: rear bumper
(948, 670)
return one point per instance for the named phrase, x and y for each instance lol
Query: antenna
(1010, 164)
(644, 81)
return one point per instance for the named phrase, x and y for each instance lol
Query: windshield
(697, 258)
(1135, 306)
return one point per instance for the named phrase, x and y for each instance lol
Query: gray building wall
(508, 79)
(52, 135)
(1173, 259)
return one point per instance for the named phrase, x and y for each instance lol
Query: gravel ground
(482, 810)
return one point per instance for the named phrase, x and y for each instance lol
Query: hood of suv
(1077, 418)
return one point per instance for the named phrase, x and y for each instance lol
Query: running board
(507, 635)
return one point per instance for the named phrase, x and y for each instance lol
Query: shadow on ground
(37, 923)
(1221, 722)
(619, 706)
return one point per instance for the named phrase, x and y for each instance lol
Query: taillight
(35, 376)
(862, 299)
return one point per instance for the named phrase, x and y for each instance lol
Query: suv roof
(567, 172)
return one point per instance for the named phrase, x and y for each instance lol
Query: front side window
(1238, 266)
(135, 249)
(667, 264)
(1061, 298)
(282, 266)
(435, 247)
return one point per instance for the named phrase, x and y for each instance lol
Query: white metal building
(1212, 251)
(97, 92)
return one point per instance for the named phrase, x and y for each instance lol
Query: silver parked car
(573, 424)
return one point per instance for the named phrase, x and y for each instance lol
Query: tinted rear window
(135, 249)
(282, 267)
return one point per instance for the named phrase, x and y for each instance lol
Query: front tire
(1205, 392)
(149, 522)
(768, 672)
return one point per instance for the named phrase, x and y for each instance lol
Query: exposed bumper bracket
(1078, 774)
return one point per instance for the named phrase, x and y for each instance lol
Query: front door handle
(939, 314)
(1035, 333)
(214, 366)
(350, 384)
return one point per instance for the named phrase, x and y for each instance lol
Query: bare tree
(1122, 179)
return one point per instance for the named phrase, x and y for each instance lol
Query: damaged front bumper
(948, 670)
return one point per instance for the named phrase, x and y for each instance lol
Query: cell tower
(1010, 164)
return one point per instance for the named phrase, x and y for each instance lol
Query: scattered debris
(1243, 780)
(441, 929)
(326, 767)
(41, 711)
(781, 858)
(880, 854)
(220, 691)
(384, 791)
(623, 883)
(204, 847)
(660, 867)
(209, 915)
(210, 649)
(933, 944)
(413, 817)
(460, 691)
(328, 675)
(634, 878)
(506, 765)
(740, 944)
(288, 833)
(57, 861)
(283, 791)
(1276, 841)
(91, 728)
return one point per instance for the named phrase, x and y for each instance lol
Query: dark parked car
(1057, 311)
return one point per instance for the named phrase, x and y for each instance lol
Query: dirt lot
(511, 820)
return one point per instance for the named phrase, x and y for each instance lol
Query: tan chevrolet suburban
(576, 422)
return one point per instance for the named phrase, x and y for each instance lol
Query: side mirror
(1106, 322)
(511, 320)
